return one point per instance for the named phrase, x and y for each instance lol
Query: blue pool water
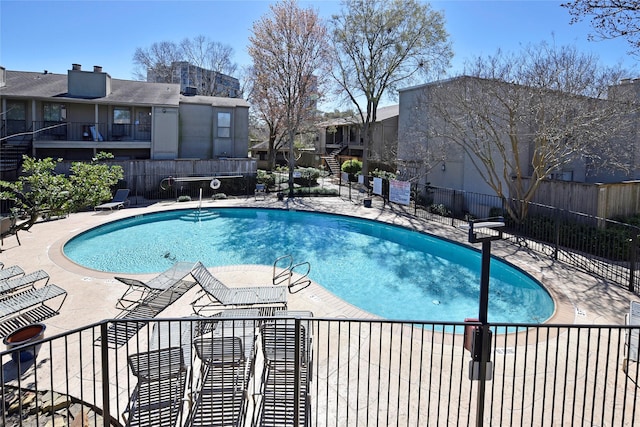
(387, 270)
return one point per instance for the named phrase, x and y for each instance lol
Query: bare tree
(289, 49)
(380, 44)
(207, 61)
(269, 112)
(520, 118)
(211, 59)
(159, 59)
(609, 18)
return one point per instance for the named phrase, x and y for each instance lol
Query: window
(55, 113)
(122, 116)
(224, 125)
(16, 115)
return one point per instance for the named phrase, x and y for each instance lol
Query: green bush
(315, 191)
(352, 166)
(383, 174)
(266, 178)
(439, 209)
(308, 177)
(41, 192)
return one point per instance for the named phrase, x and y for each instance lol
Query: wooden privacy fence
(144, 176)
(601, 200)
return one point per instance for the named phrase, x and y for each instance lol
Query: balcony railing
(326, 373)
(83, 131)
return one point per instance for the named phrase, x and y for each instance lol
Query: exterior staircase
(11, 157)
(332, 163)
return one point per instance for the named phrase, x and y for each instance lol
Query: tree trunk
(292, 163)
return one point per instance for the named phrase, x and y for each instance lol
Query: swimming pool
(390, 271)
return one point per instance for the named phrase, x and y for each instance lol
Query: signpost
(480, 367)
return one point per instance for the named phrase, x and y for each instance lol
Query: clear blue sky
(52, 35)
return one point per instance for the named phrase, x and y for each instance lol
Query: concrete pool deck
(92, 295)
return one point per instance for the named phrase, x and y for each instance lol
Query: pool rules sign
(400, 192)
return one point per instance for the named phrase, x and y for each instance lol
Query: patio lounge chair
(16, 283)
(288, 359)
(218, 295)
(632, 336)
(158, 397)
(118, 201)
(138, 291)
(29, 306)
(9, 272)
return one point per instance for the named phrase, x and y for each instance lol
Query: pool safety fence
(326, 372)
(607, 248)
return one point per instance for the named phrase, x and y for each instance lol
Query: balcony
(90, 135)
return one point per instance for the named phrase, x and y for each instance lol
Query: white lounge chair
(9, 272)
(10, 285)
(118, 201)
(29, 307)
(138, 291)
(218, 295)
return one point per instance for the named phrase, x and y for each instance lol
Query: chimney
(76, 67)
(97, 69)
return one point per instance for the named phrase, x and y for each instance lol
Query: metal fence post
(104, 355)
(633, 254)
(296, 375)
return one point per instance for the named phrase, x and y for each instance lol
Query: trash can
(25, 335)
(367, 202)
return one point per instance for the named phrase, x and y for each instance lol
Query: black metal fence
(325, 372)
(599, 246)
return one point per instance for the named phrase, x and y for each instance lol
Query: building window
(224, 125)
(122, 116)
(16, 115)
(55, 113)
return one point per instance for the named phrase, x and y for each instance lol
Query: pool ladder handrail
(286, 274)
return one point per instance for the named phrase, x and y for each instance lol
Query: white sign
(360, 179)
(377, 186)
(400, 192)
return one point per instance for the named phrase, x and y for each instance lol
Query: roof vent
(97, 69)
(76, 67)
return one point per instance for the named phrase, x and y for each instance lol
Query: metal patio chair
(159, 396)
(288, 359)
